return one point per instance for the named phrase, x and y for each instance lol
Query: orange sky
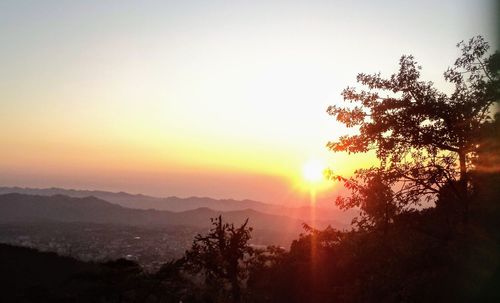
(220, 99)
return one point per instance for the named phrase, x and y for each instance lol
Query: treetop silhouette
(425, 139)
(220, 257)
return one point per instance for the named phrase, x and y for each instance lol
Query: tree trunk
(463, 184)
(235, 290)
(463, 166)
(232, 276)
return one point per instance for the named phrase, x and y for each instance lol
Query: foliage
(425, 139)
(373, 196)
(221, 257)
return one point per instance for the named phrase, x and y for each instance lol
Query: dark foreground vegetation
(428, 229)
(426, 256)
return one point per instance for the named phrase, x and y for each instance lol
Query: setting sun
(312, 171)
(250, 151)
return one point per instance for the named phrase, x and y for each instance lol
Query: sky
(225, 99)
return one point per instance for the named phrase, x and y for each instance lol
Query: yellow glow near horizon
(183, 95)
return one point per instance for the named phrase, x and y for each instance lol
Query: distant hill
(141, 201)
(176, 204)
(19, 208)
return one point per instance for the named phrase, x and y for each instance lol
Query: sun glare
(312, 171)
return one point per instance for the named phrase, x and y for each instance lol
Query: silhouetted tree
(488, 160)
(171, 284)
(220, 257)
(374, 197)
(262, 284)
(425, 139)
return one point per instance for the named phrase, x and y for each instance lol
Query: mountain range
(16, 208)
(326, 212)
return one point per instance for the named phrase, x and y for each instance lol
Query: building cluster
(149, 246)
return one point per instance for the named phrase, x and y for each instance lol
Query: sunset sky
(207, 98)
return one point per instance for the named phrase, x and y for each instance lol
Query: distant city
(102, 226)
(150, 247)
